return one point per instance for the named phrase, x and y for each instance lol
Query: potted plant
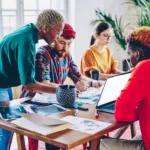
(143, 19)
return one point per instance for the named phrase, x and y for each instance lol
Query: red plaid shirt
(53, 68)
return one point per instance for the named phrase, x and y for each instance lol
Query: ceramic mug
(66, 95)
(95, 74)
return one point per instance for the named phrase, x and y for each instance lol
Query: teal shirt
(17, 57)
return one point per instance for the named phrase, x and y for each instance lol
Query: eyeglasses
(107, 36)
(58, 33)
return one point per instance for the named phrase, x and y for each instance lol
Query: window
(16, 13)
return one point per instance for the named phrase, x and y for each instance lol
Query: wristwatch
(91, 84)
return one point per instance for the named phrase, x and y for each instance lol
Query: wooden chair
(120, 132)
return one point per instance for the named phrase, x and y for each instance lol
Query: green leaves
(138, 3)
(143, 11)
(143, 19)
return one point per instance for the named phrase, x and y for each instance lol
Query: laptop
(111, 90)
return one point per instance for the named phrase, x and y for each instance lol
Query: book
(9, 112)
(44, 125)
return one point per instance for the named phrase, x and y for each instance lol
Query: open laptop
(111, 91)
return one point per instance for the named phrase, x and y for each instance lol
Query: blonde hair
(141, 36)
(49, 17)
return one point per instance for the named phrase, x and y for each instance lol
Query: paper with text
(86, 125)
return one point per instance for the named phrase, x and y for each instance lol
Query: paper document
(38, 128)
(45, 98)
(86, 125)
(90, 92)
(41, 119)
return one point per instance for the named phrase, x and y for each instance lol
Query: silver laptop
(111, 91)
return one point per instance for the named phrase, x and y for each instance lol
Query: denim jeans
(5, 135)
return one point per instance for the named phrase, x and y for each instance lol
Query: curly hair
(140, 40)
(49, 17)
(141, 36)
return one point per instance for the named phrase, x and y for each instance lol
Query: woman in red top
(134, 101)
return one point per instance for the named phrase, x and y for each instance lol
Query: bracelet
(91, 84)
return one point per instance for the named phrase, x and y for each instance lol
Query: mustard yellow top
(102, 61)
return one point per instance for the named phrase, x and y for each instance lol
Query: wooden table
(66, 139)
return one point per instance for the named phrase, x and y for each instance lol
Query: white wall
(84, 14)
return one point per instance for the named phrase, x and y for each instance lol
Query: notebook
(111, 91)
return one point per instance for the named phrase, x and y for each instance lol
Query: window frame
(20, 13)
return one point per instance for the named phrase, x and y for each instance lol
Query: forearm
(49, 83)
(91, 82)
(41, 87)
(86, 78)
(118, 71)
(104, 76)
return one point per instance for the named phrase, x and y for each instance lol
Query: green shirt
(17, 57)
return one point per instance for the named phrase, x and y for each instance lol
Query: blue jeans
(5, 136)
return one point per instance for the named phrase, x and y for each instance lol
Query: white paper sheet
(86, 125)
(45, 98)
(90, 92)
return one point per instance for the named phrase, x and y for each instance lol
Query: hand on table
(96, 84)
(82, 85)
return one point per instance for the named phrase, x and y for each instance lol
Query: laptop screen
(112, 88)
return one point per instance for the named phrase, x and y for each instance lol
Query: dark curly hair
(139, 40)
